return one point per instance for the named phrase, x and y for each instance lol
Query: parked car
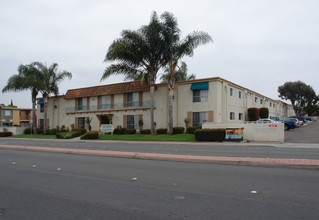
(265, 120)
(289, 124)
(300, 118)
(307, 118)
(297, 123)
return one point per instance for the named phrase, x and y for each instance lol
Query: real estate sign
(105, 128)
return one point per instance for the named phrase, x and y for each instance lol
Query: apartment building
(15, 116)
(124, 104)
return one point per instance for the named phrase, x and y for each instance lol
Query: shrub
(68, 135)
(53, 131)
(264, 112)
(90, 135)
(210, 134)
(145, 131)
(161, 131)
(130, 131)
(81, 130)
(119, 131)
(5, 134)
(191, 130)
(39, 130)
(178, 130)
(27, 131)
(253, 114)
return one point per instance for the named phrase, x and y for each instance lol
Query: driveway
(304, 134)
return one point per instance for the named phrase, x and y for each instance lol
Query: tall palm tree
(138, 53)
(27, 79)
(180, 74)
(51, 77)
(175, 49)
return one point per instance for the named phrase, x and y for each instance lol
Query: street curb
(240, 161)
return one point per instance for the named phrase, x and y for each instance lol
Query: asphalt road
(299, 151)
(37, 185)
(303, 134)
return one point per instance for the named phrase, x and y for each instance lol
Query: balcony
(108, 107)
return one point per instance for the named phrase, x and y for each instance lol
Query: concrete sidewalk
(244, 161)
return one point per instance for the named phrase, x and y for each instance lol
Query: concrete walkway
(245, 161)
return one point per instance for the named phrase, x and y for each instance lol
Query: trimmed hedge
(178, 130)
(264, 112)
(5, 134)
(119, 131)
(145, 131)
(53, 131)
(90, 135)
(82, 130)
(68, 135)
(28, 131)
(210, 135)
(253, 114)
(130, 131)
(191, 130)
(161, 131)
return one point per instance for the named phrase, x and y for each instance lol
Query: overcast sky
(258, 44)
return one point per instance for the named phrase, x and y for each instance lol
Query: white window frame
(200, 95)
(202, 117)
(132, 121)
(232, 116)
(231, 92)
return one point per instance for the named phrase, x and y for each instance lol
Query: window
(200, 95)
(273, 105)
(132, 99)
(231, 92)
(132, 122)
(232, 115)
(7, 113)
(261, 101)
(240, 116)
(240, 94)
(81, 122)
(199, 118)
(41, 123)
(105, 102)
(270, 104)
(41, 107)
(256, 99)
(82, 104)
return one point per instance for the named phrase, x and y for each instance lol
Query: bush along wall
(178, 130)
(263, 112)
(90, 135)
(191, 130)
(119, 131)
(145, 131)
(5, 134)
(253, 114)
(210, 135)
(161, 131)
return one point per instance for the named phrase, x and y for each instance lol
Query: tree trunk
(45, 115)
(152, 88)
(170, 109)
(34, 118)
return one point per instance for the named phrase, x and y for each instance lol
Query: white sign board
(105, 128)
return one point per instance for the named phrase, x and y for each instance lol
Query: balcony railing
(102, 107)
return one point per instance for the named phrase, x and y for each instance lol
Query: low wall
(14, 130)
(254, 131)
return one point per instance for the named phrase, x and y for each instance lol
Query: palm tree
(138, 53)
(175, 49)
(27, 79)
(180, 74)
(51, 77)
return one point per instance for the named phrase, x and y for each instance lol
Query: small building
(124, 104)
(15, 116)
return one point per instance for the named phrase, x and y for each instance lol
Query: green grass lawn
(147, 137)
(35, 136)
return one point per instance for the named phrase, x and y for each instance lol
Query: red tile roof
(118, 88)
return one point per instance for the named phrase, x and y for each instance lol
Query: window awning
(40, 102)
(202, 85)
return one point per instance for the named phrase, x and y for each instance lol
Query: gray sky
(258, 44)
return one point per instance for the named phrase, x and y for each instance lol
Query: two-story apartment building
(124, 104)
(15, 116)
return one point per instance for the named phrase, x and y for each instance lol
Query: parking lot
(308, 133)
